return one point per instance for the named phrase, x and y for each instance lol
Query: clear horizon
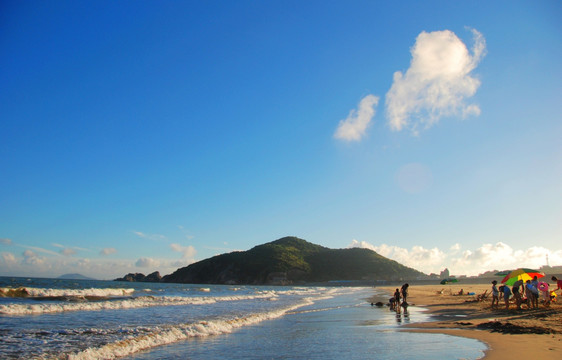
(144, 136)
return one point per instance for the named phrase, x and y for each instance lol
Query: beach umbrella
(503, 273)
(446, 281)
(521, 274)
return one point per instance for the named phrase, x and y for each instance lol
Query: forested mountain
(292, 260)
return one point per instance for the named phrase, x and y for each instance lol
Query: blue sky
(138, 136)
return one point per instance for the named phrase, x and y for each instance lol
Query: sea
(90, 319)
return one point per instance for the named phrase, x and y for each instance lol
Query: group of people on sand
(527, 293)
(401, 293)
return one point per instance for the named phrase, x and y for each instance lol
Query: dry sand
(527, 333)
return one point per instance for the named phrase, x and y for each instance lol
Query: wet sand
(536, 333)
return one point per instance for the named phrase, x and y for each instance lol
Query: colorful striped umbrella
(521, 274)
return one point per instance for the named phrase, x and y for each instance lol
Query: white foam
(40, 292)
(132, 303)
(167, 335)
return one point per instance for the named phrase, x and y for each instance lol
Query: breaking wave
(166, 335)
(129, 303)
(58, 293)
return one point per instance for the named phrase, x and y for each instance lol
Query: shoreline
(527, 332)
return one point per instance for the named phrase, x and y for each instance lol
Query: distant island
(290, 260)
(74, 277)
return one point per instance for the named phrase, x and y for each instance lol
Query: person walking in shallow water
(397, 300)
(495, 295)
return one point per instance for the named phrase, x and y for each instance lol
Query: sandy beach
(536, 333)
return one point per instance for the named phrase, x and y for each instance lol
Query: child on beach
(506, 295)
(495, 294)
(397, 299)
(558, 283)
(532, 294)
(543, 288)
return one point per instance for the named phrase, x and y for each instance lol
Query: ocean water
(85, 319)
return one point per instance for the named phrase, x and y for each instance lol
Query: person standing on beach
(506, 295)
(495, 294)
(535, 283)
(532, 295)
(516, 293)
(404, 291)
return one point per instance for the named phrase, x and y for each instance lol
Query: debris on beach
(509, 328)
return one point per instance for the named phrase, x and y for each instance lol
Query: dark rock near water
(139, 277)
(154, 277)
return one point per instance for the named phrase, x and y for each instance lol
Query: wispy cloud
(108, 251)
(499, 256)
(68, 250)
(354, 127)
(186, 233)
(149, 236)
(437, 83)
(41, 250)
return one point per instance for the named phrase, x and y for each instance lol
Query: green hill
(292, 260)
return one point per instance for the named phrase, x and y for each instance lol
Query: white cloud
(418, 257)
(30, 258)
(108, 251)
(33, 265)
(188, 252)
(353, 128)
(499, 256)
(8, 258)
(502, 256)
(28, 253)
(437, 83)
(147, 262)
(5, 241)
(455, 248)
